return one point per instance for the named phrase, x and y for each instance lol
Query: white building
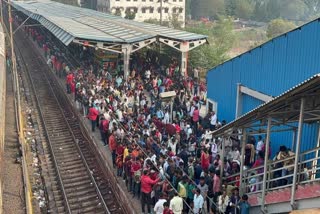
(145, 9)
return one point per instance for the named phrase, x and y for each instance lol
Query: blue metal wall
(271, 68)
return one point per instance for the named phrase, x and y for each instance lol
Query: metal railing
(277, 178)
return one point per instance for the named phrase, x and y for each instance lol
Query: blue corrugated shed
(271, 68)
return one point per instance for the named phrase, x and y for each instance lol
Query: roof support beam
(256, 94)
(138, 45)
(184, 48)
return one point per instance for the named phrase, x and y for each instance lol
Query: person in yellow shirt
(125, 152)
(183, 190)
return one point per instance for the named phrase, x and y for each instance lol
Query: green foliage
(244, 9)
(279, 26)
(152, 21)
(221, 39)
(207, 8)
(174, 21)
(130, 15)
(117, 13)
(258, 10)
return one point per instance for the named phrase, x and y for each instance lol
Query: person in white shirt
(148, 74)
(158, 207)
(173, 145)
(166, 118)
(195, 73)
(176, 204)
(197, 202)
(259, 145)
(223, 202)
(213, 121)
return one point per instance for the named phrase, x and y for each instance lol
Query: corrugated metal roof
(263, 109)
(86, 24)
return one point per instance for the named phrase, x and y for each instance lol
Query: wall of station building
(271, 68)
(145, 9)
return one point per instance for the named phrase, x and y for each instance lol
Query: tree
(221, 39)
(279, 26)
(117, 12)
(130, 15)
(230, 7)
(244, 9)
(207, 8)
(313, 7)
(174, 21)
(295, 10)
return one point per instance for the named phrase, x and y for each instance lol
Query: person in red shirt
(136, 175)
(205, 160)
(146, 189)
(113, 147)
(166, 209)
(195, 119)
(119, 161)
(69, 82)
(92, 115)
(104, 126)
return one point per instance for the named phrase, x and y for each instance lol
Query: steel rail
(73, 137)
(67, 206)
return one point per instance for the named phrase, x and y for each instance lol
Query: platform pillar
(126, 51)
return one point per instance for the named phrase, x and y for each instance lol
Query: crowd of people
(169, 159)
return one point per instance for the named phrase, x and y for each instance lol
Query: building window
(151, 0)
(166, 10)
(180, 0)
(151, 10)
(159, 10)
(174, 0)
(180, 10)
(143, 0)
(174, 10)
(135, 0)
(143, 10)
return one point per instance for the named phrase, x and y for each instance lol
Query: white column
(296, 160)
(184, 48)
(243, 145)
(238, 101)
(126, 51)
(184, 64)
(266, 159)
(222, 156)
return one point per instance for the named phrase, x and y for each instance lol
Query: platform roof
(284, 110)
(68, 22)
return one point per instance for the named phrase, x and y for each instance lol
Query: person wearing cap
(146, 189)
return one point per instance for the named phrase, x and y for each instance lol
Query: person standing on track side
(69, 82)
(146, 189)
(92, 115)
(113, 147)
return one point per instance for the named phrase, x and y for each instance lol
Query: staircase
(278, 201)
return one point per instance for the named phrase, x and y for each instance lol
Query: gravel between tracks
(13, 193)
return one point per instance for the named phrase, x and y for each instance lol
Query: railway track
(76, 179)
